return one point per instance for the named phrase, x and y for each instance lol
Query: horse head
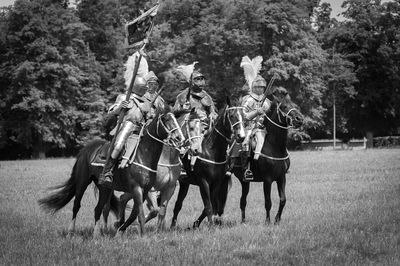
(283, 111)
(191, 126)
(168, 129)
(230, 122)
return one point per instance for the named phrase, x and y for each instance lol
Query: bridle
(168, 141)
(190, 139)
(288, 119)
(232, 125)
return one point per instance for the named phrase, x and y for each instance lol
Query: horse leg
(243, 199)
(183, 190)
(206, 197)
(104, 197)
(282, 198)
(123, 201)
(136, 212)
(221, 198)
(80, 190)
(152, 205)
(267, 199)
(165, 197)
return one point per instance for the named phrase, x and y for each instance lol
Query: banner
(139, 29)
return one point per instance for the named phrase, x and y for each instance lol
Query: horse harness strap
(210, 161)
(169, 165)
(274, 158)
(274, 123)
(145, 167)
(226, 138)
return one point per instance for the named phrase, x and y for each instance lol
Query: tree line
(62, 65)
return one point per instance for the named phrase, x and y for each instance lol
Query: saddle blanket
(125, 158)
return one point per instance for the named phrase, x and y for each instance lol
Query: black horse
(273, 161)
(137, 179)
(208, 172)
(168, 170)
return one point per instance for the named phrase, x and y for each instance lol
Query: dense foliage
(62, 65)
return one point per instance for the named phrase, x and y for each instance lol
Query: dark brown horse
(273, 161)
(137, 179)
(168, 170)
(209, 169)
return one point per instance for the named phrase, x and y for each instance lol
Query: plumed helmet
(259, 81)
(140, 86)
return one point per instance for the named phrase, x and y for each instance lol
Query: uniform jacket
(201, 101)
(250, 102)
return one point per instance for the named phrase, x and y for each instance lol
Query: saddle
(238, 156)
(126, 156)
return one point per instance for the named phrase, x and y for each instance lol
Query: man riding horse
(152, 94)
(138, 112)
(195, 96)
(255, 106)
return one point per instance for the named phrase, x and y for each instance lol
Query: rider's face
(258, 90)
(200, 82)
(152, 86)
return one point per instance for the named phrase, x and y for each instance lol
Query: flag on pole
(138, 30)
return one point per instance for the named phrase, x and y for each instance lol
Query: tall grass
(343, 208)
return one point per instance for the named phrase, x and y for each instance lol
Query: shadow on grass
(86, 233)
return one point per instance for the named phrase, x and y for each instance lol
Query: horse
(168, 171)
(208, 171)
(273, 161)
(137, 178)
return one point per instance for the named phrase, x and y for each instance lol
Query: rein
(228, 140)
(159, 121)
(286, 115)
(185, 121)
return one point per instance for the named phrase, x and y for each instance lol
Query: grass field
(343, 208)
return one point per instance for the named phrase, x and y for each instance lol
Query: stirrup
(248, 175)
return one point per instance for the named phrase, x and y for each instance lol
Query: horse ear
(228, 101)
(193, 110)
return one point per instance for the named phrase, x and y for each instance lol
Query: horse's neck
(215, 145)
(276, 137)
(169, 155)
(149, 149)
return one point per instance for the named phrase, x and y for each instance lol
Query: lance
(157, 94)
(127, 98)
(267, 89)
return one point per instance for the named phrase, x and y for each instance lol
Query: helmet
(259, 81)
(196, 74)
(140, 86)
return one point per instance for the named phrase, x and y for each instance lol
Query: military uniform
(201, 101)
(136, 115)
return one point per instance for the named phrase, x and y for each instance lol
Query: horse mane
(208, 138)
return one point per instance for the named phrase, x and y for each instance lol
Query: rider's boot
(106, 177)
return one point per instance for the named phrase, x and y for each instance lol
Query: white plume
(143, 69)
(187, 70)
(251, 68)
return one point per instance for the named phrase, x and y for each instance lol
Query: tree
(338, 75)
(51, 81)
(371, 39)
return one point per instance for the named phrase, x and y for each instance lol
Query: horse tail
(59, 199)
